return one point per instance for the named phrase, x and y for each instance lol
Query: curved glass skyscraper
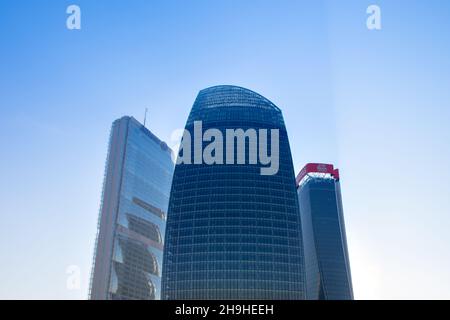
(233, 232)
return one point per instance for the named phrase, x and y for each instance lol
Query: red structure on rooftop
(317, 168)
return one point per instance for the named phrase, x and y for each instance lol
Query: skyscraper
(327, 265)
(131, 227)
(233, 232)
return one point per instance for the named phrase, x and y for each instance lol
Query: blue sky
(375, 103)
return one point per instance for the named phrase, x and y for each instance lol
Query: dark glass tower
(128, 254)
(327, 263)
(233, 233)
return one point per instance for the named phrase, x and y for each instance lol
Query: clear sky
(375, 103)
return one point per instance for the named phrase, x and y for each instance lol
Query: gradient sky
(375, 103)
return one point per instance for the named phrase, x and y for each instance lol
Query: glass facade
(233, 233)
(327, 264)
(131, 230)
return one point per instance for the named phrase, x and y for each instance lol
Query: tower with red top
(327, 266)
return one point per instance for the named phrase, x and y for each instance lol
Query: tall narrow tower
(327, 263)
(233, 233)
(128, 254)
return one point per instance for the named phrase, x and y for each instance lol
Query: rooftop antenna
(145, 116)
